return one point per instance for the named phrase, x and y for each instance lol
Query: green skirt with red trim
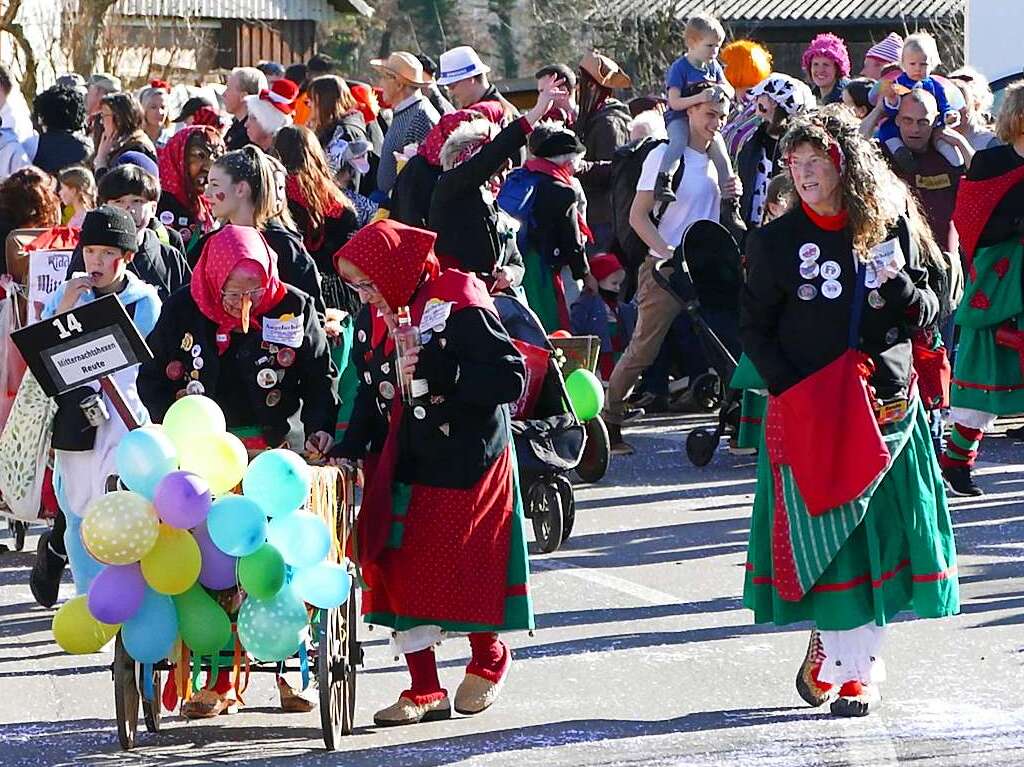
(456, 559)
(988, 376)
(753, 405)
(896, 552)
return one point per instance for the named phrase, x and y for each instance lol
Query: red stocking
(491, 656)
(426, 687)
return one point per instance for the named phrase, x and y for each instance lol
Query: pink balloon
(218, 569)
(182, 499)
(116, 594)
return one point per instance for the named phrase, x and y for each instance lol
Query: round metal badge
(809, 270)
(175, 370)
(891, 335)
(195, 387)
(831, 289)
(361, 336)
(807, 292)
(186, 342)
(830, 270)
(273, 397)
(266, 378)
(197, 350)
(386, 389)
(198, 363)
(809, 252)
(286, 357)
(875, 299)
(420, 412)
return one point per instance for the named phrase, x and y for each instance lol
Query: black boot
(46, 572)
(619, 446)
(959, 481)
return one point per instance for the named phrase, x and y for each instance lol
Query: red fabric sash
(975, 203)
(374, 523)
(831, 441)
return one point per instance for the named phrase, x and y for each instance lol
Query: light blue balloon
(301, 537)
(149, 636)
(324, 585)
(84, 568)
(279, 481)
(237, 525)
(271, 629)
(144, 457)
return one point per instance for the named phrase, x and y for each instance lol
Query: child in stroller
(549, 439)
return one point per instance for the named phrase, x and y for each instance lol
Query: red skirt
(447, 561)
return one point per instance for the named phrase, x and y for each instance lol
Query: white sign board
(99, 356)
(47, 270)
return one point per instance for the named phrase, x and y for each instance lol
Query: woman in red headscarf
(184, 168)
(440, 533)
(249, 341)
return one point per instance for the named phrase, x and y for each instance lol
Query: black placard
(81, 346)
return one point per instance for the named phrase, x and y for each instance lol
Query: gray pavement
(643, 654)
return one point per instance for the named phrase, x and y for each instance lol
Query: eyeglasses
(366, 286)
(238, 295)
(810, 165)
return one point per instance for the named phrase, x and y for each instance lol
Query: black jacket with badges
(255, 383)
(792, 325)
(454, 433)
(157, 263)
(172, 214)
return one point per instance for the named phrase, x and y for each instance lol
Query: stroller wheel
(568, 505)
(546, 512)
(597, 453)
(707, 391)
(700, 446)
(731, 418)
(19, 529)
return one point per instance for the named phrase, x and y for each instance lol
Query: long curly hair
(871, 194)
(28, 198)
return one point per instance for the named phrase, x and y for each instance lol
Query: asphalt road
(643, 655)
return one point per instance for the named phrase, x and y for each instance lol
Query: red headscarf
(223, 251)
(174, 175)
(434, 141)
(492, 110)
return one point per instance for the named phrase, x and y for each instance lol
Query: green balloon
(261, 573)
(204, 626)
(585, 393)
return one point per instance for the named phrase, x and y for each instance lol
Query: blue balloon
(144, 457)
(279, 481)
(237, 525)
(149, 636)
(84, 568)
(301, 537)
(324, 585)
(271, 629)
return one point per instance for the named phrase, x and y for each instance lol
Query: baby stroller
(549, 439)
(709, 293)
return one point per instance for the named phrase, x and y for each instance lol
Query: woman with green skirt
(850, 523)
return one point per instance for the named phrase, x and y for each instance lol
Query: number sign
(81, 346)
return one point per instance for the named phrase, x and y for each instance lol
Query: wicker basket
(577, 352)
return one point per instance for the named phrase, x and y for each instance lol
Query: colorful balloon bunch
(179, 531)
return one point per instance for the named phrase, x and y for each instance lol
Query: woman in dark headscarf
(440, 533)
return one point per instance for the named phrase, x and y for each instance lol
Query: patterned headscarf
(394, 256)
(174, 173)
(430, 149)
(222, 252)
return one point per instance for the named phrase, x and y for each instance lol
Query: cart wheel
(337, 655)
(597, 453)
(152, 709)
(707, 391)
(546, 502)
(700, 446)
(568, 506)
(20, 529)
(126, 696)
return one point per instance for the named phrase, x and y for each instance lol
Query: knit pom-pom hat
(831, 47)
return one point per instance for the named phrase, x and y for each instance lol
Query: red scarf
(834, 223)
(222, 252)
(400, 261)
(562, 174)
(314, 237)
(975, 203)
(430, 149)
(174, 173)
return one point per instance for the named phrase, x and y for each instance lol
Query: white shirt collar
(407, 102)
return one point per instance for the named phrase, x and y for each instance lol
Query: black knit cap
(107, 225)
(548, 141)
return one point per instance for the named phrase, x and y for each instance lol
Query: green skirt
(753, 406)
(348, 378)
(900, 556)
(539, 286)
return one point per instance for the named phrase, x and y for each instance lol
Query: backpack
(627, 164)
(516, 198)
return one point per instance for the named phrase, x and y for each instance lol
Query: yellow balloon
(220, 459)
(172, 565)
(120, 528)
(77, 632)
